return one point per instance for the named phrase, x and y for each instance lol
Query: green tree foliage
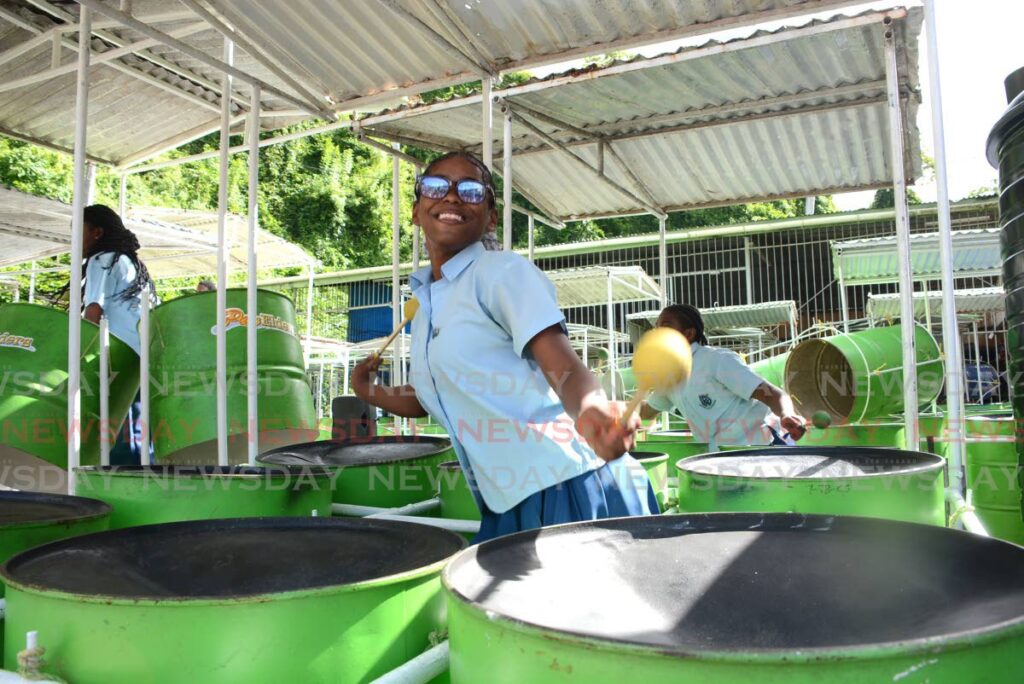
(884, 198)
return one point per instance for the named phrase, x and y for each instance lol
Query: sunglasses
(469, 190)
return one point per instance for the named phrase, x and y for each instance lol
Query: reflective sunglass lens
(434, 187)
(472, 192)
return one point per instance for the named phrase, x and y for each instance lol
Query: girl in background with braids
(114, 282)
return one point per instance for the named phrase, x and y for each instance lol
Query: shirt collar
(451, 269)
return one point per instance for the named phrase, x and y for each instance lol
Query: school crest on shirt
(706, 401)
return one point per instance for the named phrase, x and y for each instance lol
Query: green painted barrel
(766, 598)
(858, 376)
(772, 369)
(676, 443)
(33, 395)
(183, 382)
(993, 476)
(388, 471)
(863, 434)
(29, 519)
(656, 464)
(879, 483)
(457, 502)
(312, 600)
(146, 495)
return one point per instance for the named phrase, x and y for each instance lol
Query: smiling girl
(539, 441)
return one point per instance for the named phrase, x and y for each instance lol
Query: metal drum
(34, 401)
(183, 381)
(28, 519)
(882, 483)
(145, 495)
(310, 600)
(859, 376)
(767, 598)
(457, 502)
(657, 467)
(993, 476)
(386, 472)
(862, 434)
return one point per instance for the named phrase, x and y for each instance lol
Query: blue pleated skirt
(616, 489)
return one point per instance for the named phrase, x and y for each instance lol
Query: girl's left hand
(600, 424)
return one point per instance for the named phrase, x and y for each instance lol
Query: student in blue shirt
(539, 441)
(724, 401)
(114, 282)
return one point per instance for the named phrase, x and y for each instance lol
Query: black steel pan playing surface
(745, 581)
(358, 452)
(812, 462)
(231, 558)
(19, 508)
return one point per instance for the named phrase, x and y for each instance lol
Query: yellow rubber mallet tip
(662, 360)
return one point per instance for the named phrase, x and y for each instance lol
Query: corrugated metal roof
(875, 260)
(983, 300)
(174, 242)
(796, 111)
(596, 284)
(341, 51)
(731, 318)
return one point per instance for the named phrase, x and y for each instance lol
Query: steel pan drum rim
(273, 470)
(643, 456)
(935, 465)
(101, 510)
(260, 291)
(867, 651)
(450, 465)
(143, 601)
(443, 443)
(114, 340)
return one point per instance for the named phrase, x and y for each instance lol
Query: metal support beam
(252, 387)
(313, 108)
(748, 262)
(532, 228)
(440, 41)
(506, 179)
(222, 263)
(911, 435)
(52, 35)
(396, 257)
(260, 56)
(950, 329)
(843, 303)
(77, 227)
(554, 144)
(663, 259)
(487, 124)
(143, 54)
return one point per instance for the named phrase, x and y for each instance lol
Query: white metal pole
(911, 438)
(663, 259)
(320, 393)
(344, 379)
(809, 205)
(487, 123)
(950, 327)
(144, 387)
(506, 182)
(977, 358)
(396, 294)
(222, 261)
(532, 228)
(90, 183)
(843, 303)
(122, 196)
(611, 341)
(309, 314)
(252, 311)
(75, 286)
(104, 391)
(32, 284)
(748, 254)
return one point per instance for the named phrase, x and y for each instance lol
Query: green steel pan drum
(861, 434)
(33, 395)
(28, 519)
(657, 466)
(676, 443)
(312, 600)
(145, 495)
(859, 376)
(882, 483)
(767, 598)
(457, 502)
(183, 385)
(993, 476)
(387, 472)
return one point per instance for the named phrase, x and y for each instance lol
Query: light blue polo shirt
(716, 400)
(105, 279)
(472, 373)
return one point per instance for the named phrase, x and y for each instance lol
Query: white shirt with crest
(716, 400)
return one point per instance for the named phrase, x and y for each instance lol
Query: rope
(30, 662)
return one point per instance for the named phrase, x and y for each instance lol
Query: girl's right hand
(363, 375)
